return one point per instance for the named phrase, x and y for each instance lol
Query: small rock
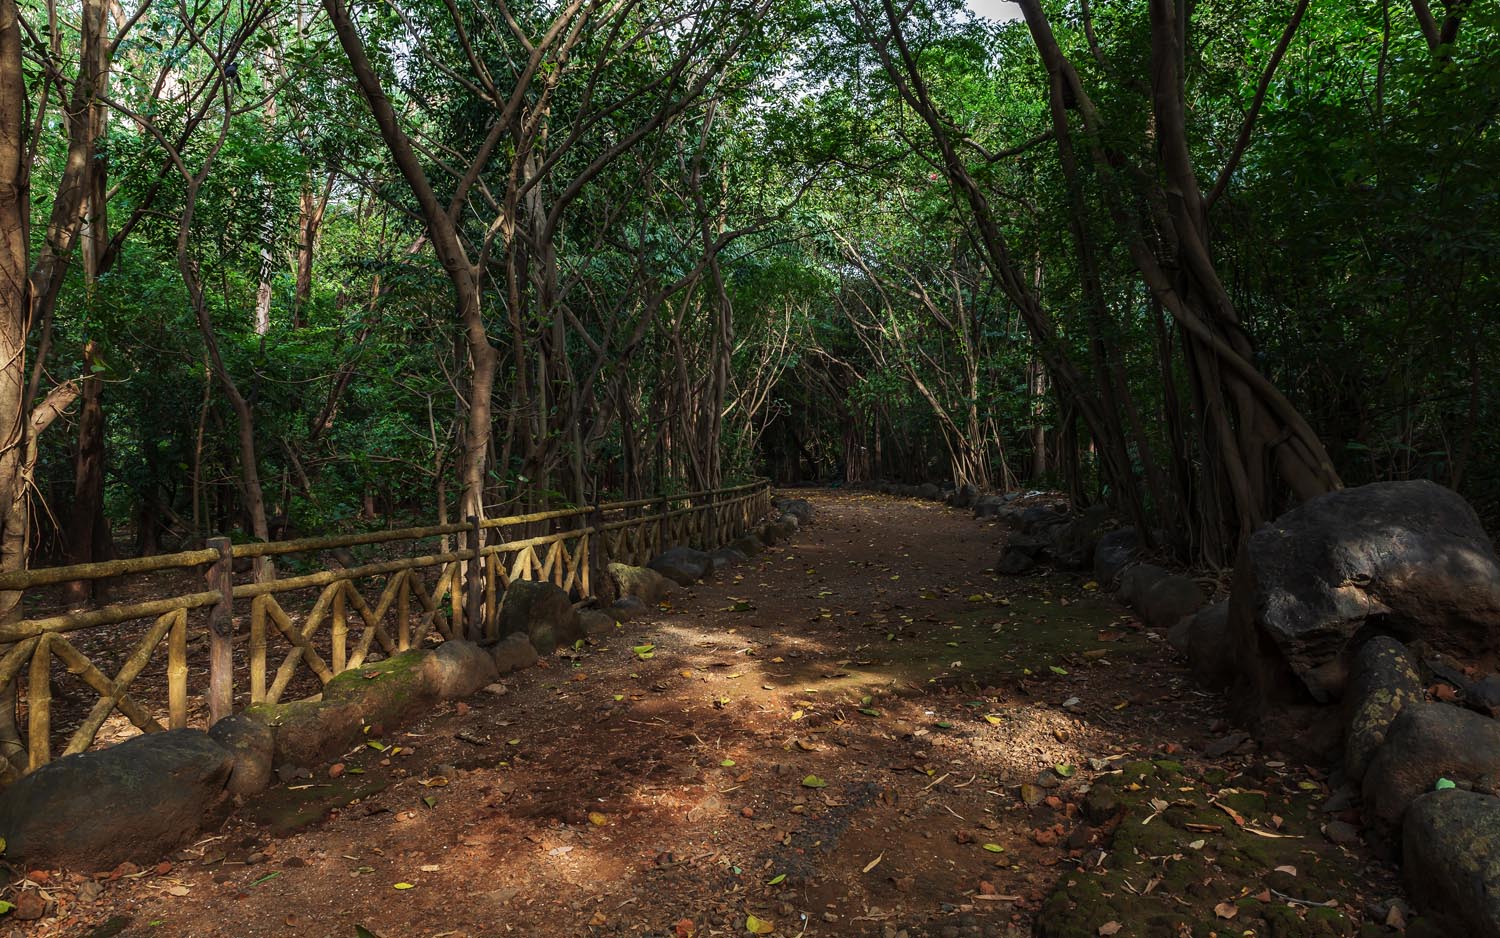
(30, 906)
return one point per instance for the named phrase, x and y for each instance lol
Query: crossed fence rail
(430, 595)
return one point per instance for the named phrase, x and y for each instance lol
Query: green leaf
(1443, 784)
(776, 880)
(812, 781)
(1056, 670)
(5, 907)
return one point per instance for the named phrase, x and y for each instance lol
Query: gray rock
(1073, 542)
(1450, 844)
(964, 496)
(1021, 553)
(1425, 742)
(725, 557)
(1384, 681)
(1484, 695)
(1115, 550)
(682, 565)
(626, 608)
(513, 653)
(641, 583)
(390, 692)
(1168, 600)
(928, 491)
(309, 732)
(254, 748)
(1015, 562)
(749, 545)
(1407, 559)
(1210, 652)
(1180, 636)
(136, 801)
(462, 669)
(541, 611)
(799, 508)
(1137, 580)
(988, 506)
(596, 622)
(1040, 518)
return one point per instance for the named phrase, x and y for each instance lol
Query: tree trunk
(88, 536)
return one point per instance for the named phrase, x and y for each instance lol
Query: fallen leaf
(597, 819)
(776, 880)
(756, 926)
(1226, 910)
(873, 863)
(405, 886)
(812, 781)
(1110, 928)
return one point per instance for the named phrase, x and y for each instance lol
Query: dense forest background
(275, 268)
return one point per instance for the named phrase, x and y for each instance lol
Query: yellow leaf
(991, 719)
(756, 926)
(597, 819)
(994, 848)
(873, 863)
(405, 886)
(796, 714)
(812, 781)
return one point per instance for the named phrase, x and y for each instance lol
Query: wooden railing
(432, 594)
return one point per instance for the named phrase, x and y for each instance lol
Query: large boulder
(988, 506)
(1450, 843)
(512, 653)
(1138, 580)
(309, 732)
(928, 491)
(1407, 559)
(596, 622)
(1168, 600)
(749, 545)
(626, 608)
(964, 496)
(682, 565)
(1426, 742)
(725, 557)
(640, 583)
(254, 748)
(462, 669)
(799, 508)
(1384, 681)
(390, 692)
(1074, 542)
(135, 801)
(1114, 551)
(542, 612)
(1209, 651)
(1038, 518)
(1021, 554)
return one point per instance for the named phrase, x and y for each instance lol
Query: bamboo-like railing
(429, 596)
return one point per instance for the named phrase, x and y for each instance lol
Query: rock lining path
(622, 790)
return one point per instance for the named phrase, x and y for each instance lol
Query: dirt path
(864, 733)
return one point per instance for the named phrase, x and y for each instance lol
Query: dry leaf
(1226, 910)
(873, 863)
(1110, 928)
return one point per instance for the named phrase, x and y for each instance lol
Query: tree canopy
(277, 267)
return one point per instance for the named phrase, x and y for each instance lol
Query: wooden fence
(432, 594)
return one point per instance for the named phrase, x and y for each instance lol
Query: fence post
(220, 577)
(663, 532)
(473, 584)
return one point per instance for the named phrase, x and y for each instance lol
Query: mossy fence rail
(341, 628)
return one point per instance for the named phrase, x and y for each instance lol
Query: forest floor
(866, 732)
